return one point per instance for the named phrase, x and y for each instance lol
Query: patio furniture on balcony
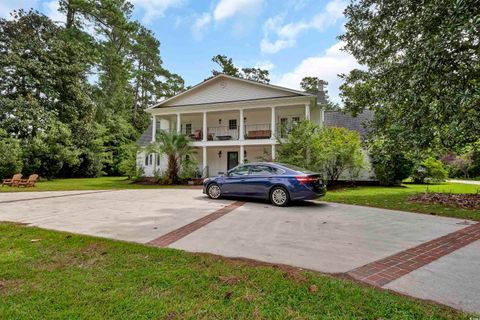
(226, 137)
(258, 131)
(259, 134)
(197, 135)
(222, 133)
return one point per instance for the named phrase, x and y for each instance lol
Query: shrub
(390, 166)
(128, 165)
(429, 170)
(189, 169)
(10, 155)
(329, 150)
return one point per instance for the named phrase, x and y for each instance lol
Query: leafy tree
(128, 164)
(255, 74)
(429, 170)
(172, 85)
(44, 82)
(463, 163)
(391, 165)
(175, 147)
(50, 150)
(227, 65)
(422, 69)
(298, 147)
(11, 155)
(310, 85)
(341, 151)
(229, 68)
(329, 150)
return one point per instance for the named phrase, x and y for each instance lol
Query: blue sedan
(277, 182)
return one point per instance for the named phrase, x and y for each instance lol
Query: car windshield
(295, 168)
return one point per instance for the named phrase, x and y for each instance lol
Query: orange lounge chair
(30, 182)
(12, 182)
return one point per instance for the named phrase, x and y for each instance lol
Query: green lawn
(103, 183)
(65, 276)
(397, 198)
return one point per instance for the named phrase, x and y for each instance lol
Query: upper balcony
(234, 125)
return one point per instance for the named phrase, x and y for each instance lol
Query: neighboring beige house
(241, 118)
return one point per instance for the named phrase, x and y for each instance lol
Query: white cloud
(326, 66)
(201, 22)
(155, 8)
(265, 65)
(229, 8)
(284, 35)
(51, 10)
(275, 46)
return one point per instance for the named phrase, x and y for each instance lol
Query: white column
(242, 126)
(273, 152)
(154, 128)
(154, 162)
(273, 124)
(322, 116)
(205, 129)
(242, 154)
(307, 111)
(205, 163)
(179, 123)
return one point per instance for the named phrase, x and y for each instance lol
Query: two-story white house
(229, 121)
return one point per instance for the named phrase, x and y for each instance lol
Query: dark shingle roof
(360, 123)
(146, 137)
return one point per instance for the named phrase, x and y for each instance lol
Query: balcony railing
(251, 131)
(222, 133)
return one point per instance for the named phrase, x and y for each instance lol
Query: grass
(66, 276)
(102, 183)
(397, 198)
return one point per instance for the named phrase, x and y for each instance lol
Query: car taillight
(304, 180)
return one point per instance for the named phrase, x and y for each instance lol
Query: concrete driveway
(425, 256)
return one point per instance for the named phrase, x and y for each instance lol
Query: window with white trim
(188, 128)
(149, 159)
(232, 124)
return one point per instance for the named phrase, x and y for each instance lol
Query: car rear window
(264, 170)
(295, 168)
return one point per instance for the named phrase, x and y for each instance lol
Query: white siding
(224, 90)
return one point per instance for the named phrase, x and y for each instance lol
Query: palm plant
(175, 146)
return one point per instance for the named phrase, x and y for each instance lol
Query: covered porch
(216, 160)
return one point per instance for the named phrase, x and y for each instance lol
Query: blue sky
(291, 39)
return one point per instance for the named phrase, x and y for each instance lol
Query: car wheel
(279, 197)
(213, 191)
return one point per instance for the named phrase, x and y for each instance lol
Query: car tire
(213, 191)
(279, 197)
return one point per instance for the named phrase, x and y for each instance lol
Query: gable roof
(146, 137)
(225, 88)
(360, 123)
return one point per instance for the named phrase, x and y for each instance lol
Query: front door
(232, 160)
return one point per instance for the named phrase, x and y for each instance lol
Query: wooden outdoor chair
(15, 180)
(30, 182)
(196, 135)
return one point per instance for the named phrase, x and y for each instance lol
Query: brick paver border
(58, 196)
(383, 271)
(184, 231)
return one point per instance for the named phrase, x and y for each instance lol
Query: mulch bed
(464, 201)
